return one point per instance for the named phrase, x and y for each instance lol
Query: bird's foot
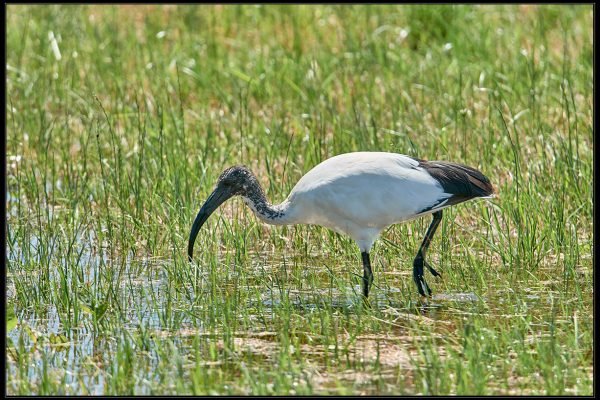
(433, 271)
(418, 277)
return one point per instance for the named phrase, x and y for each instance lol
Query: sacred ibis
(358, 194)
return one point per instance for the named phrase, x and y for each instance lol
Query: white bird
(358, 194)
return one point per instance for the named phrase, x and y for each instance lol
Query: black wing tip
(459, 179)
(488, 188)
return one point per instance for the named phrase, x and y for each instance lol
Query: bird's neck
(255, 198)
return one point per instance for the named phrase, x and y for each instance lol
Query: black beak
(210, 205)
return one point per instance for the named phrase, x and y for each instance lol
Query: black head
(234, 181)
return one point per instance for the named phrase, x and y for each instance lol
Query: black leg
(420, 258)
(368, 274)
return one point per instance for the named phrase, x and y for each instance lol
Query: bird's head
(234, 181)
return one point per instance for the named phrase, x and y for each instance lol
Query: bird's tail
(459, 179)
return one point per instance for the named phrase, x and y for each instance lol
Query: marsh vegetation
(120, 119)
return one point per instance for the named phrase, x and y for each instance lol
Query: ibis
(358, 194)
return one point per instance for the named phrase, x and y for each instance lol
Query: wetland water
(233, 318)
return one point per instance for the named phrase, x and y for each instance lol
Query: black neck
(257, 201)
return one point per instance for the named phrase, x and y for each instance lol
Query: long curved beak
(217, 197)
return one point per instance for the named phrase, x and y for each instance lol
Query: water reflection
(154, 298)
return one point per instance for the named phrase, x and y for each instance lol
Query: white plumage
(358, 194)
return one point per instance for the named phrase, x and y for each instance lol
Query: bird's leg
(420, 258)
(368, 274)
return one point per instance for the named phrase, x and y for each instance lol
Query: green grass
(113, 145)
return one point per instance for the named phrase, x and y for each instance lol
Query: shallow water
(157, 307)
